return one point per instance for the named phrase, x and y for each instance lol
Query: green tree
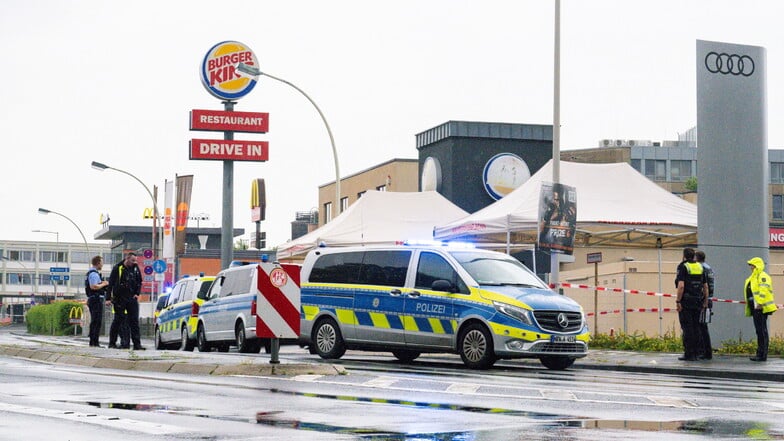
(691, 184)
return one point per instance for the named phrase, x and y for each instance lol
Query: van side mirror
(442, 285)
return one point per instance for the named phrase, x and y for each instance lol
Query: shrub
(671, 342)
(52, 319)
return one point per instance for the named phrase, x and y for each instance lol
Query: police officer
(759, 304)
(706, 349)
(95, 287)
(126, 283)
(692, 295)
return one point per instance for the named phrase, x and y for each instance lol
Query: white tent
(380, 217)
(616, 205)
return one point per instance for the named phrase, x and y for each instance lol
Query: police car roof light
(421, 242)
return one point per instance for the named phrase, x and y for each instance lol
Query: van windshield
(496, 269)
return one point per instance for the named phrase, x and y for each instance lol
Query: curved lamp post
(45, 211)
(101, 167)
(253, 71)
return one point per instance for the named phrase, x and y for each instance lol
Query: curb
(181, 366)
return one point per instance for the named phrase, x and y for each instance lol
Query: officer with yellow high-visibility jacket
(692, 296)
(759, 304)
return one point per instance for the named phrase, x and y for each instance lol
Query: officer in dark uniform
(126, 284)
(692, 296)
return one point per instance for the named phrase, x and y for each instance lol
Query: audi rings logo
(563, 320)
(729, 64)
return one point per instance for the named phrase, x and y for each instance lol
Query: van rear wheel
(201, 340)
(475, 346)
(186, 344)
(556, 363)
(327, 339)
(243, 345)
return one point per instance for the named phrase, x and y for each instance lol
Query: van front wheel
(475, 346)
(327, 340)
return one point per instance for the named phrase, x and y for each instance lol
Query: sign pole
(227, 217)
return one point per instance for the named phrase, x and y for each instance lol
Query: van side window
(337, 268)
(186, 295)
(174, 295)
(433, 267)
(237, 282)
(205, 287)
(385, 268)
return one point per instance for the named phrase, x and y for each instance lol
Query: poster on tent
(557, 217)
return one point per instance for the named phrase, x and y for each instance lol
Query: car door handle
(395, 293)
(414, 294)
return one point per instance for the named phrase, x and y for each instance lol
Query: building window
(19, 279)
(361, 193)
(777, 172)
(778, 206)
(637, 165)
(656, 170)
(343, 204)
(327, 212)
(53, 256)
(84, 257)
(680, 170)
(382, 188)
(21, 256)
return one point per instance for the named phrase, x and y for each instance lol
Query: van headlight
(514, 312)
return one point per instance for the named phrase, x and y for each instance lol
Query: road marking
(672, 402)
(463, 388)
(307, 378)
(381, 382)
(558, 395)
(95, 419)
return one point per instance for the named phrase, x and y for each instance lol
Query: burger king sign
(218, 70)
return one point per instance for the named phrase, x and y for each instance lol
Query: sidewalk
(75, 351)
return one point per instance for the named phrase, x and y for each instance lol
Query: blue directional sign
(55, 278)
(59, 269)
(159, 266)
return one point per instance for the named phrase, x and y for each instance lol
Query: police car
(480, 304)
(175, 326)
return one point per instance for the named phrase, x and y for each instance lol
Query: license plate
(562, 339)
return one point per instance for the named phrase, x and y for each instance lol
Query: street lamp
(255, 72)
(45, 211)
(101, 167)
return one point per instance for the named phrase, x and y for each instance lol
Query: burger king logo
(218, 72)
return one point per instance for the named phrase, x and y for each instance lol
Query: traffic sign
(56, 278)
(58, 269)
(148, 270)
(594, 257)
(147, 253)
(159, 266)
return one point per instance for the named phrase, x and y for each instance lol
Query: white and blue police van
(228, 315)
(414, 299)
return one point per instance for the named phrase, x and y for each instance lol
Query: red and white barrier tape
(634, 291)
(618, 311)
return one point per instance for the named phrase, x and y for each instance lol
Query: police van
(228, 315)
(175, 325)
(410, 299)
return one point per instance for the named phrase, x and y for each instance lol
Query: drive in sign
(229, 150)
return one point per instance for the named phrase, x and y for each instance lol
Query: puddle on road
(552, 426)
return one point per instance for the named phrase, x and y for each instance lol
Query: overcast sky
(114, 81)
